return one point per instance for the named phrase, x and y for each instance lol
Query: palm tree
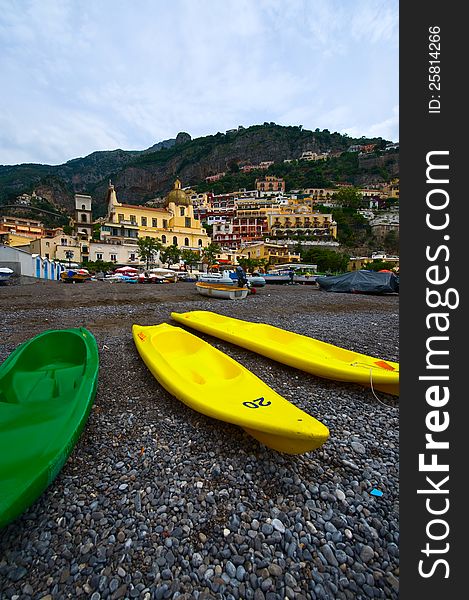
(147, 248)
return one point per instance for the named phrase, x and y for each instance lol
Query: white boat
(221, 278)
(256, 280)
(216, 290)
(5, 274)
(230, 278)
(168, 275)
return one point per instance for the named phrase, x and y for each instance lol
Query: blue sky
(85, 75)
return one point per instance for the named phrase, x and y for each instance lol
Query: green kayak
(47, 388)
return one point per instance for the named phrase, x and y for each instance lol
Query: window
(63, 242)
(188, 222)
(47, 244)
(83, 218)
(163, 239)
(133, 219)
(120, 218)
(165, 223)
(154, 222)
(175, 241)
(47, 255)
(83, 207)
(183, 210)
(144, 221)
(200, 242)
(99, 256)
(114, 257)
(186, 241)
(132, 256)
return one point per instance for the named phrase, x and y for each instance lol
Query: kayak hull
(47, 388)
(214, 384)
(298, 351)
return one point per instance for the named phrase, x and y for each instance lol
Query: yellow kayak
(299, 351)
(214, 384)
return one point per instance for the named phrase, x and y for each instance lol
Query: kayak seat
(67, 379)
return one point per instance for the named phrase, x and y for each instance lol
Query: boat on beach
(212, 383)
(75, 275)
(298, 351)
(218, 278)
(231, 278)
(47, 387)
(216, 290)
(5, 274)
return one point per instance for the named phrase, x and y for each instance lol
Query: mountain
(139, 176)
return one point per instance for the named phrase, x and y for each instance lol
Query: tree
(209, 254)
(96, 235)
(190, 258)
(349, 197)
(248, 264)
(147, 248)
(379, 265)
(326, 260)
(170, 255)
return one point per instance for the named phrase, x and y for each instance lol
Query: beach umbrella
(126, 270)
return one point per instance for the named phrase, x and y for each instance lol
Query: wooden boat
(215, 290)
(47, 388)
(299, 351)
(214, 384)
(74, 276)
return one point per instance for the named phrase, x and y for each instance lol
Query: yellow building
(15, 240)
(57, 247)
(173, 224)
(300, 219)
(273, 254)
(356, 263)
(391, 189)
(16, 231)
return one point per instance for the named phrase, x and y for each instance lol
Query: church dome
(177, 195)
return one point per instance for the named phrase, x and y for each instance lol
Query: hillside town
(268, 225)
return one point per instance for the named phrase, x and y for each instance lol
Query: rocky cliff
(143, 175)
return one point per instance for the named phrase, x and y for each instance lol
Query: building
(313, 156)
(300, 220)
(83, 221)
(216, 177)
(384, 223)
(29, 265)
(16, 231)
(272, 254)
(356, 263)
(321, 195)
(270, 184)
(58, 247)
(173, 224)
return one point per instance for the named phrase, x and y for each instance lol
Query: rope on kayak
(376, 396)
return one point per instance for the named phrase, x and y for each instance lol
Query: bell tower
(83, 216)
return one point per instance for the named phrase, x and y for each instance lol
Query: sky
(84, 75)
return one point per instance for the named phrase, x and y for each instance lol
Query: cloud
(81, 76)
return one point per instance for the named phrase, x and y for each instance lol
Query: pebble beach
(158, 501)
